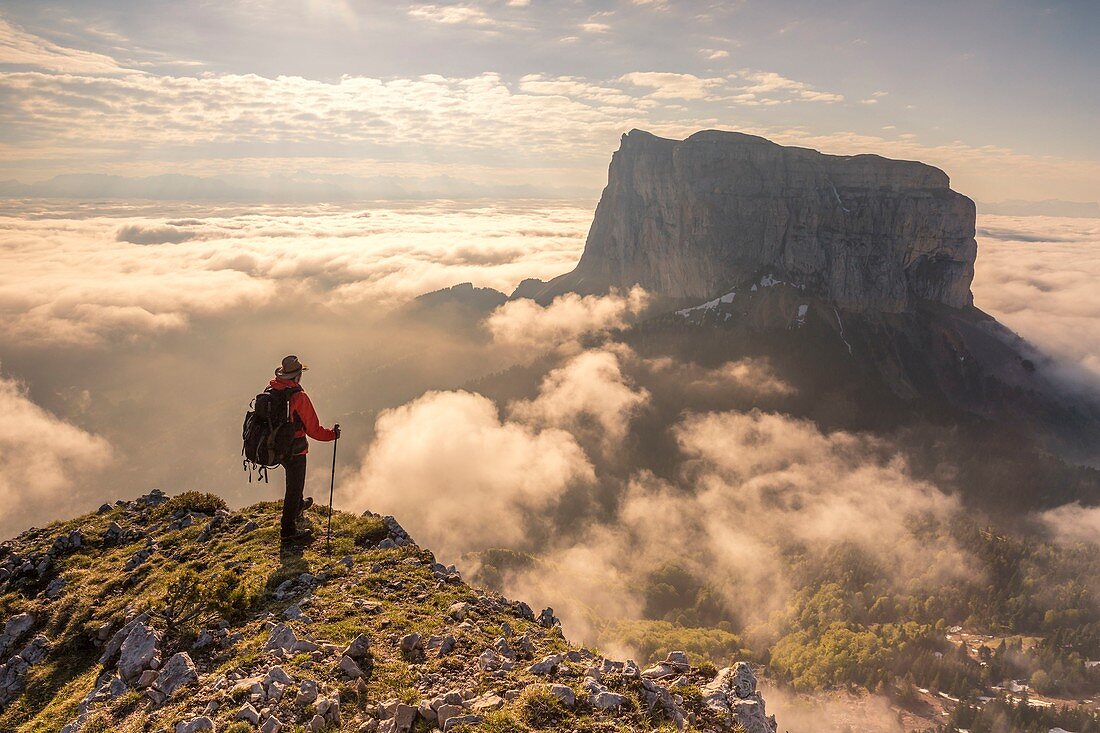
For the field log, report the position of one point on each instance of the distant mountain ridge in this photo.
(294, 187)
(1048, 207)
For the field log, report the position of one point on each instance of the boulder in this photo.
(248, 713)
(137, 651)
(460, 720)
(447, 711)
(547, 666)
(271, 725)
(282, 637)
(401, 719)
(358, 647)
(195, 725)
(307, 693)
(350, 668)
(114, 645)
(179, 671)
(565, 694)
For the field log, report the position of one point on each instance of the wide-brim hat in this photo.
(290, 368)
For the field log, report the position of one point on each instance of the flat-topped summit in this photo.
(692, 218)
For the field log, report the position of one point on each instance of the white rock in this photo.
(249, 713)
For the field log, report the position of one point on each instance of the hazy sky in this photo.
(1000, 93)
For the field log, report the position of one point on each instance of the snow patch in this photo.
(841, 325)
(727, 298)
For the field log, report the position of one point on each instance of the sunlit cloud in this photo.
(19, 48)
(45, 462)
(128, 272)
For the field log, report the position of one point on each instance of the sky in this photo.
(311, 100)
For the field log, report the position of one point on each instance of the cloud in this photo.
(776, 87)
(752, 487)
(714, 54)
(67, 113)
(1037, 275)
(594, 27)
(530, 328)
(1073, 523)
(667, 85)
(20, 48)
(462, 477)
(589, 396)
(75, 277)
(748, 376)
(453, 15)
(45, 462)
(137, 234)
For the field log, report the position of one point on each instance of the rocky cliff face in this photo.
(99, 631)
(694, 218)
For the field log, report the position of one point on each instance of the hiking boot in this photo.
(301, 537)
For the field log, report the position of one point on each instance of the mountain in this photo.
(175, 614)
(1048, 207)
(860, 266)
(693, 218)
(290, 187)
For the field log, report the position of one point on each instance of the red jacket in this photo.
(301, 407)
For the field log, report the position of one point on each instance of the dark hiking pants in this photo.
(295, 487)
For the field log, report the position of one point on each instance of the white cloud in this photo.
(772, 86)
(77, 278)
(530, 329)
(589, 396)
(453, 15)
(19, 48)
(595, 27)
(667, 85)
(46, 464)
(460, 477)
(1038, 275)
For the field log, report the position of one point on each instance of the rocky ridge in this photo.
(383, 639)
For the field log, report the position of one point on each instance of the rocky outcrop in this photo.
(327, 647)
(692, 219)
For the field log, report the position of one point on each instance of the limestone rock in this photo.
(196, 725)
(687, 218)
(137, 651)
(350, 668)
(248, 713)
(547, 666)
(358, 647)
(565, 694)
(460, 720)
(178, 672)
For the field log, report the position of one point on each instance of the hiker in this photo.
(288, 376)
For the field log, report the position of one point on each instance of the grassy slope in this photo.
(396, 585)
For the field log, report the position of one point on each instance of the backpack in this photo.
(268, 431)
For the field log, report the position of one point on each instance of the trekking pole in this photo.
(331, 487)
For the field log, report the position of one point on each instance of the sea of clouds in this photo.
(133, 335)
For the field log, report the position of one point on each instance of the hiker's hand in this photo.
(336, 429)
